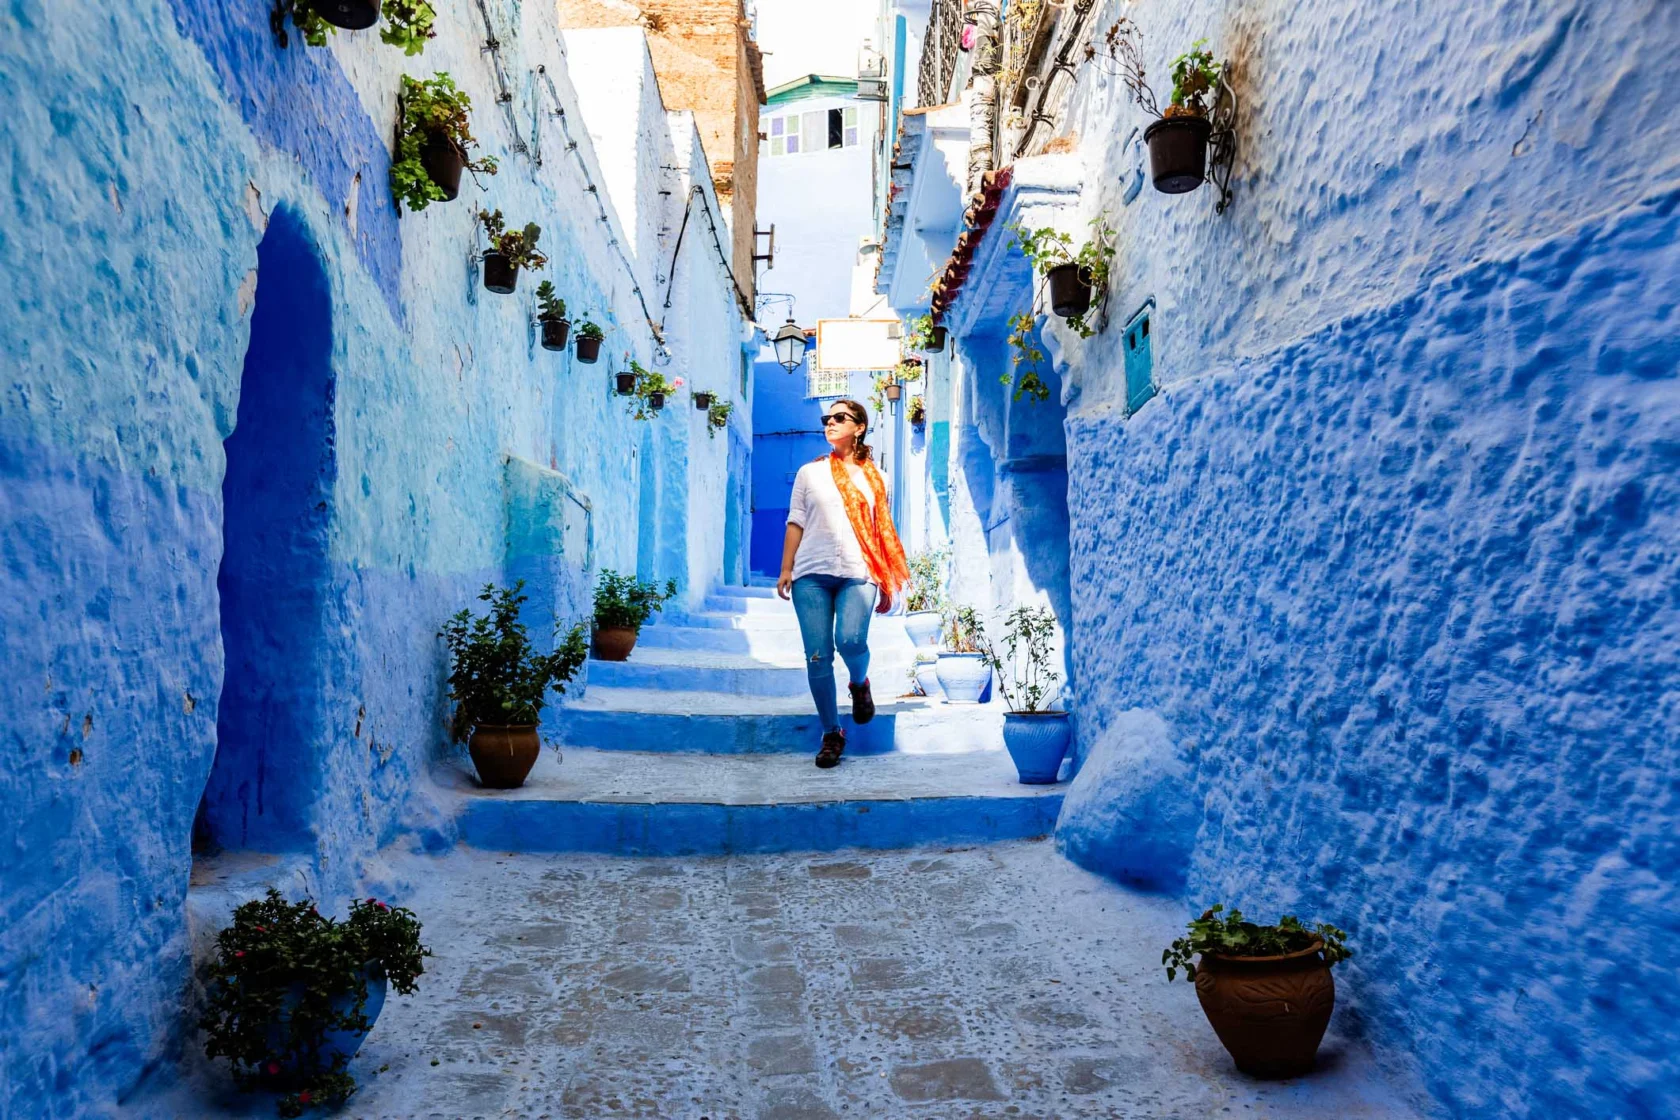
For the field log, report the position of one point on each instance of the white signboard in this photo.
(860, 344)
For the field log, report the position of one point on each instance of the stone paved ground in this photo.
(981, 982)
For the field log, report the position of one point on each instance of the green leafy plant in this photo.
(717, 417)
(917, 411)
(1048, 248)
(496, 675)
(1028, 381)
(926, 589)
(1195, 73)
(625, 602)
(649, 382)
(1231, 936)
(285, 977)
(920, 331)
(1024, 668)
(408, 24)
(963, 631)
(1195, 76)
(588, 329)
(908, 371)
(519, 246)
(431, 107)
(550, 307)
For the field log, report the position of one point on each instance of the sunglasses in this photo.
(836, 417)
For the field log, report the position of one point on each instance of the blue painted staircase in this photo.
(702, 744)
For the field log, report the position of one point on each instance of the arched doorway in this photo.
(276, 511)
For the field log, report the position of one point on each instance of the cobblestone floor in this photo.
(982, 982)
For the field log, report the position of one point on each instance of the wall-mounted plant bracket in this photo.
(475, 258)
(1222, 144)
(504, 95)
(1131, 160)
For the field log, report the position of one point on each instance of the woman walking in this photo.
(840, 558)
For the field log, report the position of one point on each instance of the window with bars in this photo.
(813, 131)
(826, 383)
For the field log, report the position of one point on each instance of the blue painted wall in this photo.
(1373, 604)
(254, 422)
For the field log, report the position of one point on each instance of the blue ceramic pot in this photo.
(333, 1043)
(1037, 743)
(963, 676)
(923, 628)
(928, 678)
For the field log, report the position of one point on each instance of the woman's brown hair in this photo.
(861, 451)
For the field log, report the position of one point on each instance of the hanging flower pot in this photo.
(656, 401)
(352, 15)
(894, 390)
(702, 401)
(626, 382)
(1070, 290)
(588, 349)
(443, 160)
(500, 274)
(936, 340)
(554, 333)
(1178, 148)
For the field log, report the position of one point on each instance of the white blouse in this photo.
(829, 546)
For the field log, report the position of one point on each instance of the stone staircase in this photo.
(702, 744)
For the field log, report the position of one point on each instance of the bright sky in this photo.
(813, 36)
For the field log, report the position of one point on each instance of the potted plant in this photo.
(889, 384)
(924, 598)
(625, 382)
(925, 334)
(1075, 277)
(1178, 138)
(434, 136)
(408, 23)
(1037, 736)
(292, 994)
(499, 683)
(510, 250)
(1026, 381)
(551, 313)
(702, 400)
(717, 417)
(589, 338)
(651, 389)
(926, 675)
(963, 668)
(917, 413)
(622, 605)
(1266, 990)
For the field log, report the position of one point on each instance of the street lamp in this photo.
(790, 345)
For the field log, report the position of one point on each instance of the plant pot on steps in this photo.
(297, 1074)
(928, 677)
(1269, 1012)
(588, 349)
(656, 401)
(963, 676)
(1178, 148)
(1037, 741)
(352, 15)
(444, 161)
(1070, 290)
(503, 753)
(923, 628)
(625, 383)
(614, 643)
(936, 340)
(500, 274)
(554, 333)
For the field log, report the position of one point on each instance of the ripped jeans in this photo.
(833, 615)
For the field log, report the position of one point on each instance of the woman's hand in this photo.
(784, 585)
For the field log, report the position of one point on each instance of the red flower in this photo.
(273, 1067)
(239, 952)
(304, 1097)
(262, 929)
(381, 905)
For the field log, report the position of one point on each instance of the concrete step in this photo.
(752, 607)
(758, 673)
(729, 620)
(652, 804)
(774, 641)
(671, 722)
(752, 591)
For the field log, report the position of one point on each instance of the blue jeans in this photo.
(833, 615)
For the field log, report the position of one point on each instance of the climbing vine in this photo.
(1025, 381)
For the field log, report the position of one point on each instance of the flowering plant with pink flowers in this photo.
(649, 384)
(286, 977)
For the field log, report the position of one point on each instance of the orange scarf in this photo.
(883, 554)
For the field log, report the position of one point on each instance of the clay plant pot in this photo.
(444, 161)
(894, 391)
(937, 341)
(656, 401)
(625, 383)
(503, 753)
(588, 349)
(1269, 1012)
(1070, 290)
(352, 15)
(1178, 149)
(554, 333)
(702, 401)
(614, 643)
(500, 274)
(923, 628)
(963, 676)
(1037, 741)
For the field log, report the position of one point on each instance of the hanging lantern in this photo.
(790, 345)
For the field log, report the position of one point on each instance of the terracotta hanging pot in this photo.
(554, 333)
(1269, 1012)
(444, 161)
(1178, 149)
(894, 391)
(614, 643)
(503, 753)
(500, 274)
(1070, 290)
(588, 349)
(624, 382)
(352, 15)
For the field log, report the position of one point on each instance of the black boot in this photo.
(863, 703)
(833, 744)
